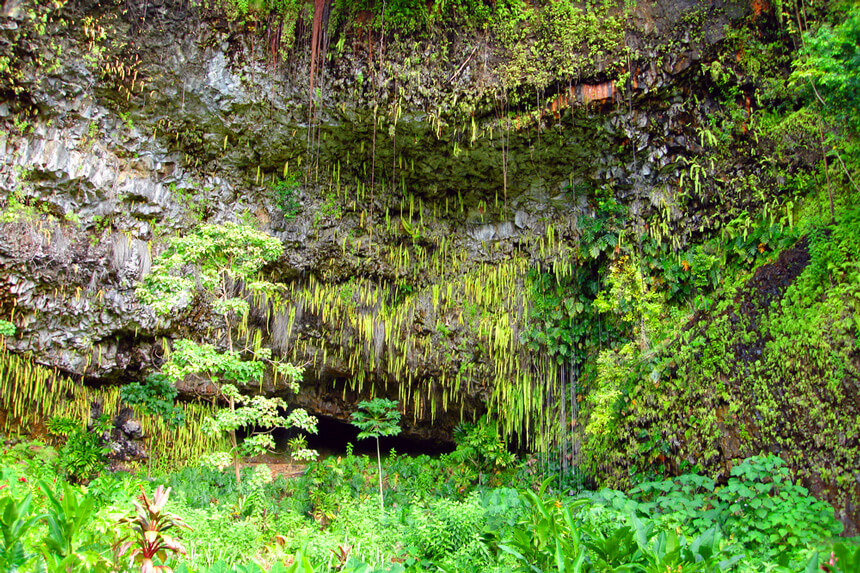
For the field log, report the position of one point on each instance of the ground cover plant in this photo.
(439, 515)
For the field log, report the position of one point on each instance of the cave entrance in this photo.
(333, 436)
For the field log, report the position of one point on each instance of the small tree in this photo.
(209, 263)
(379, 418)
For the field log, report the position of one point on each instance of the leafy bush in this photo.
(33, 458)
(7, 328)
(84, 454)
(503, 507)
(765, 510)
(482, 447)
(157, 395)
(547, 537)
(684, 522)
(760, 508)
(115, 488)
(238, 539)
(69, 544)
(667, 550)
(412, 478)
(443, 530)
(833, 65)
(16, 520)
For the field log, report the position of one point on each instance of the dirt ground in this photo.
(278, 465)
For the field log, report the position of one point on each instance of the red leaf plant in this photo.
(148, 540)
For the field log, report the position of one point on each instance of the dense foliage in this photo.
(437, 517)
(668, 351)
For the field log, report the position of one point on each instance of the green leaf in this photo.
(377, 418)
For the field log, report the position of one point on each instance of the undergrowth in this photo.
(328, 519)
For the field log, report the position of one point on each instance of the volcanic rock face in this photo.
(417, 170)
(123, 127)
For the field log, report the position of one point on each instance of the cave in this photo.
(333, 436)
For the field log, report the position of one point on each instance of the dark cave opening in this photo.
(333, 436)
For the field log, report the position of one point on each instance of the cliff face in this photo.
(417, 187)
(124, 125)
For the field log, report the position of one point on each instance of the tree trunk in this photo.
(235, 445)
(233, 441)
(379, 464)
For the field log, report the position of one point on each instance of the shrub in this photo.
(760, 508)
(285, 196)
(482, 447)
(444, 530)
(85, 451)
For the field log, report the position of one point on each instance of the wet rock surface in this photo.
(182, 118)
(118, 165)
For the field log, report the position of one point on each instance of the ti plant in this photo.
(149, 541)
(378, 418)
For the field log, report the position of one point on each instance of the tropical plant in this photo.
(547, 537)
(84, 453)
(299, 450)
(149, 541)
(261, 416)
(377, 418)
(482, 447)
(298, 563)
(612, 550)
(764, 508)
(843, 558)
(7, 328)
(157, 397)
(832, 68)
(68, 544)
(660, 551)
(16, 521)
(357, 566)
(222, 255)
(443, 531)
(284, 195)
(759, 508)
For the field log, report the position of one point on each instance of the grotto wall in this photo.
(422, 179)
(122, 127)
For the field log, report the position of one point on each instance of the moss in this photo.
(772, 371)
